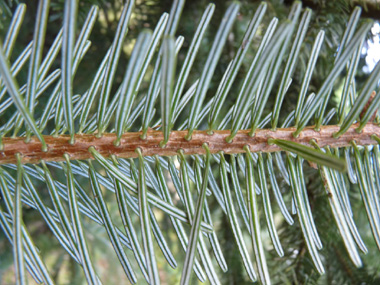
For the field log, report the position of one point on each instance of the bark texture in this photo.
(57, 146)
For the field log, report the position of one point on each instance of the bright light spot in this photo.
(372, 49)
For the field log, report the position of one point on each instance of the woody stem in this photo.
(57, 146)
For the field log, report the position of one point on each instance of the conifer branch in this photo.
(32, 152)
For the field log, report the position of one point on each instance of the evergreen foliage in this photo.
(275, 173)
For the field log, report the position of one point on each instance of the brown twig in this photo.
(373, 94)
(57, 146)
